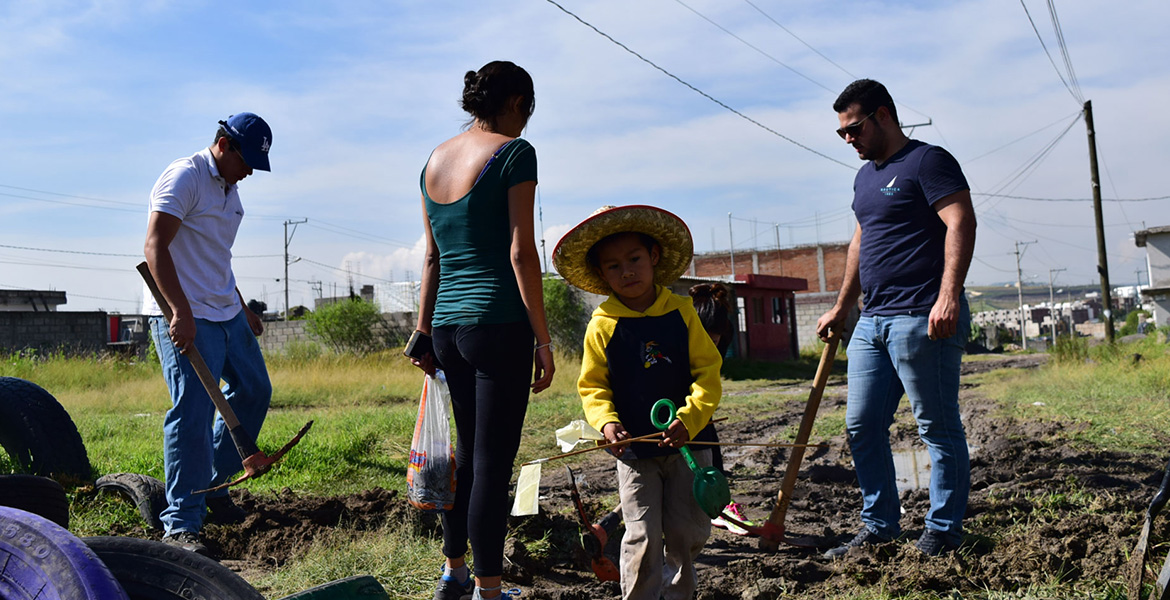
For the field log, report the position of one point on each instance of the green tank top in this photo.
(476, 282)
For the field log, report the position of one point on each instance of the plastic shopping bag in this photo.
(430, 476)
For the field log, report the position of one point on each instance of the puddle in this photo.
(912, 468)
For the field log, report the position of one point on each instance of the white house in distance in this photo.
(1156, 241)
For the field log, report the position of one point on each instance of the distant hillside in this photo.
(1004, 297)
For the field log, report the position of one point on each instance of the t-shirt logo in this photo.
(890, 190)
(651, 355)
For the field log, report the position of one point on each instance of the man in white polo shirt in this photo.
(195, 211)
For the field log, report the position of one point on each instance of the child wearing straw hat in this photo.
(645, 343)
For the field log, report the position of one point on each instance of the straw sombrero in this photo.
(671, 233)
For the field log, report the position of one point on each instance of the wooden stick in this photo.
(657, 434)
(760, 445)
(828, 353)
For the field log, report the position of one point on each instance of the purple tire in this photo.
(42, 560)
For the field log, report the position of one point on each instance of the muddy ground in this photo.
(1085, 508)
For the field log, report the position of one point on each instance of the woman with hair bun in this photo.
(483, 306)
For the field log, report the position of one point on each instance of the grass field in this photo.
(364, 410)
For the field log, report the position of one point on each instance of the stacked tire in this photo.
(41, 560)
(38, 434)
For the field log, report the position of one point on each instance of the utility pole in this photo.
(1020, 292)
(731, 246)
(1102, 260)
(287, 240)
(1052, 302)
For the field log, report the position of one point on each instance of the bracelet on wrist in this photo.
(548, 345)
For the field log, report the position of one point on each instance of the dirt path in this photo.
(1083, 506)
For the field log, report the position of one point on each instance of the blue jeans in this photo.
(889, 356)
(196, 454)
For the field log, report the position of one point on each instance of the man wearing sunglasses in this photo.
(909, 256)
(195, 211)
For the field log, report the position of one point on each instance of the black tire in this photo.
(40, 559)
(37, 495)
(148, 494)
(358, 587)
(38, 434)
(150, 570)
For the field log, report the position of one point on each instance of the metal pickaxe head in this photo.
(258, 463)
(603, 567)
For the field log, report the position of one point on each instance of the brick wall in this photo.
(823, 266)
(73, 332)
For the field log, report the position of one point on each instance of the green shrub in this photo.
(347, 326)
(1070, 349)
(567, 316)
(1132, 320)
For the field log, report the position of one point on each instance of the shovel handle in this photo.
(780, 510)
(245, 444)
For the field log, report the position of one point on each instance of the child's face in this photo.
(628, 267)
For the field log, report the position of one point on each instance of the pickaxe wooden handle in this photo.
(255, 462)
(775, 524)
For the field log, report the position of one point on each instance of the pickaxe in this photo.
(1137, 560)
(603, 567)
(772, 532)
(255, 462)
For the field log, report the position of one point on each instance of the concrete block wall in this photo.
(278, 334)
(809, 308)
(73, 332)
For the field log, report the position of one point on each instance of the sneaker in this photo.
(504, 595)
(934, 543)
(224, 511)
(450, 588)
(734, 511)
(863, 538)
(187, 540)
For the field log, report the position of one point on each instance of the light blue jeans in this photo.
(889, 356)
(198, 451)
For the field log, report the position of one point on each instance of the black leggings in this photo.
(489, 369)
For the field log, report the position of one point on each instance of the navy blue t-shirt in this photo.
(902, 236)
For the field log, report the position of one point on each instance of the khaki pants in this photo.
(665, 528)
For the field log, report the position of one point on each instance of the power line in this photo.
(786, 30)
(354, 233)
(1021, 138)
(1022, 173)
(1071, 199)
(697, 90)
(749, 45)
(1072, 73)
(111, 253)
(346, 271)
(134, 210)
(13, 187)
(1046, 52)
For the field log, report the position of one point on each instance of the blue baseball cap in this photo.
(254, 137)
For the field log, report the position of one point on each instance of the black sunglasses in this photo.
(854, 128)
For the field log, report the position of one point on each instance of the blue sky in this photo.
(97, 97)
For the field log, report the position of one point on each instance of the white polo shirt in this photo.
(192, 190)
